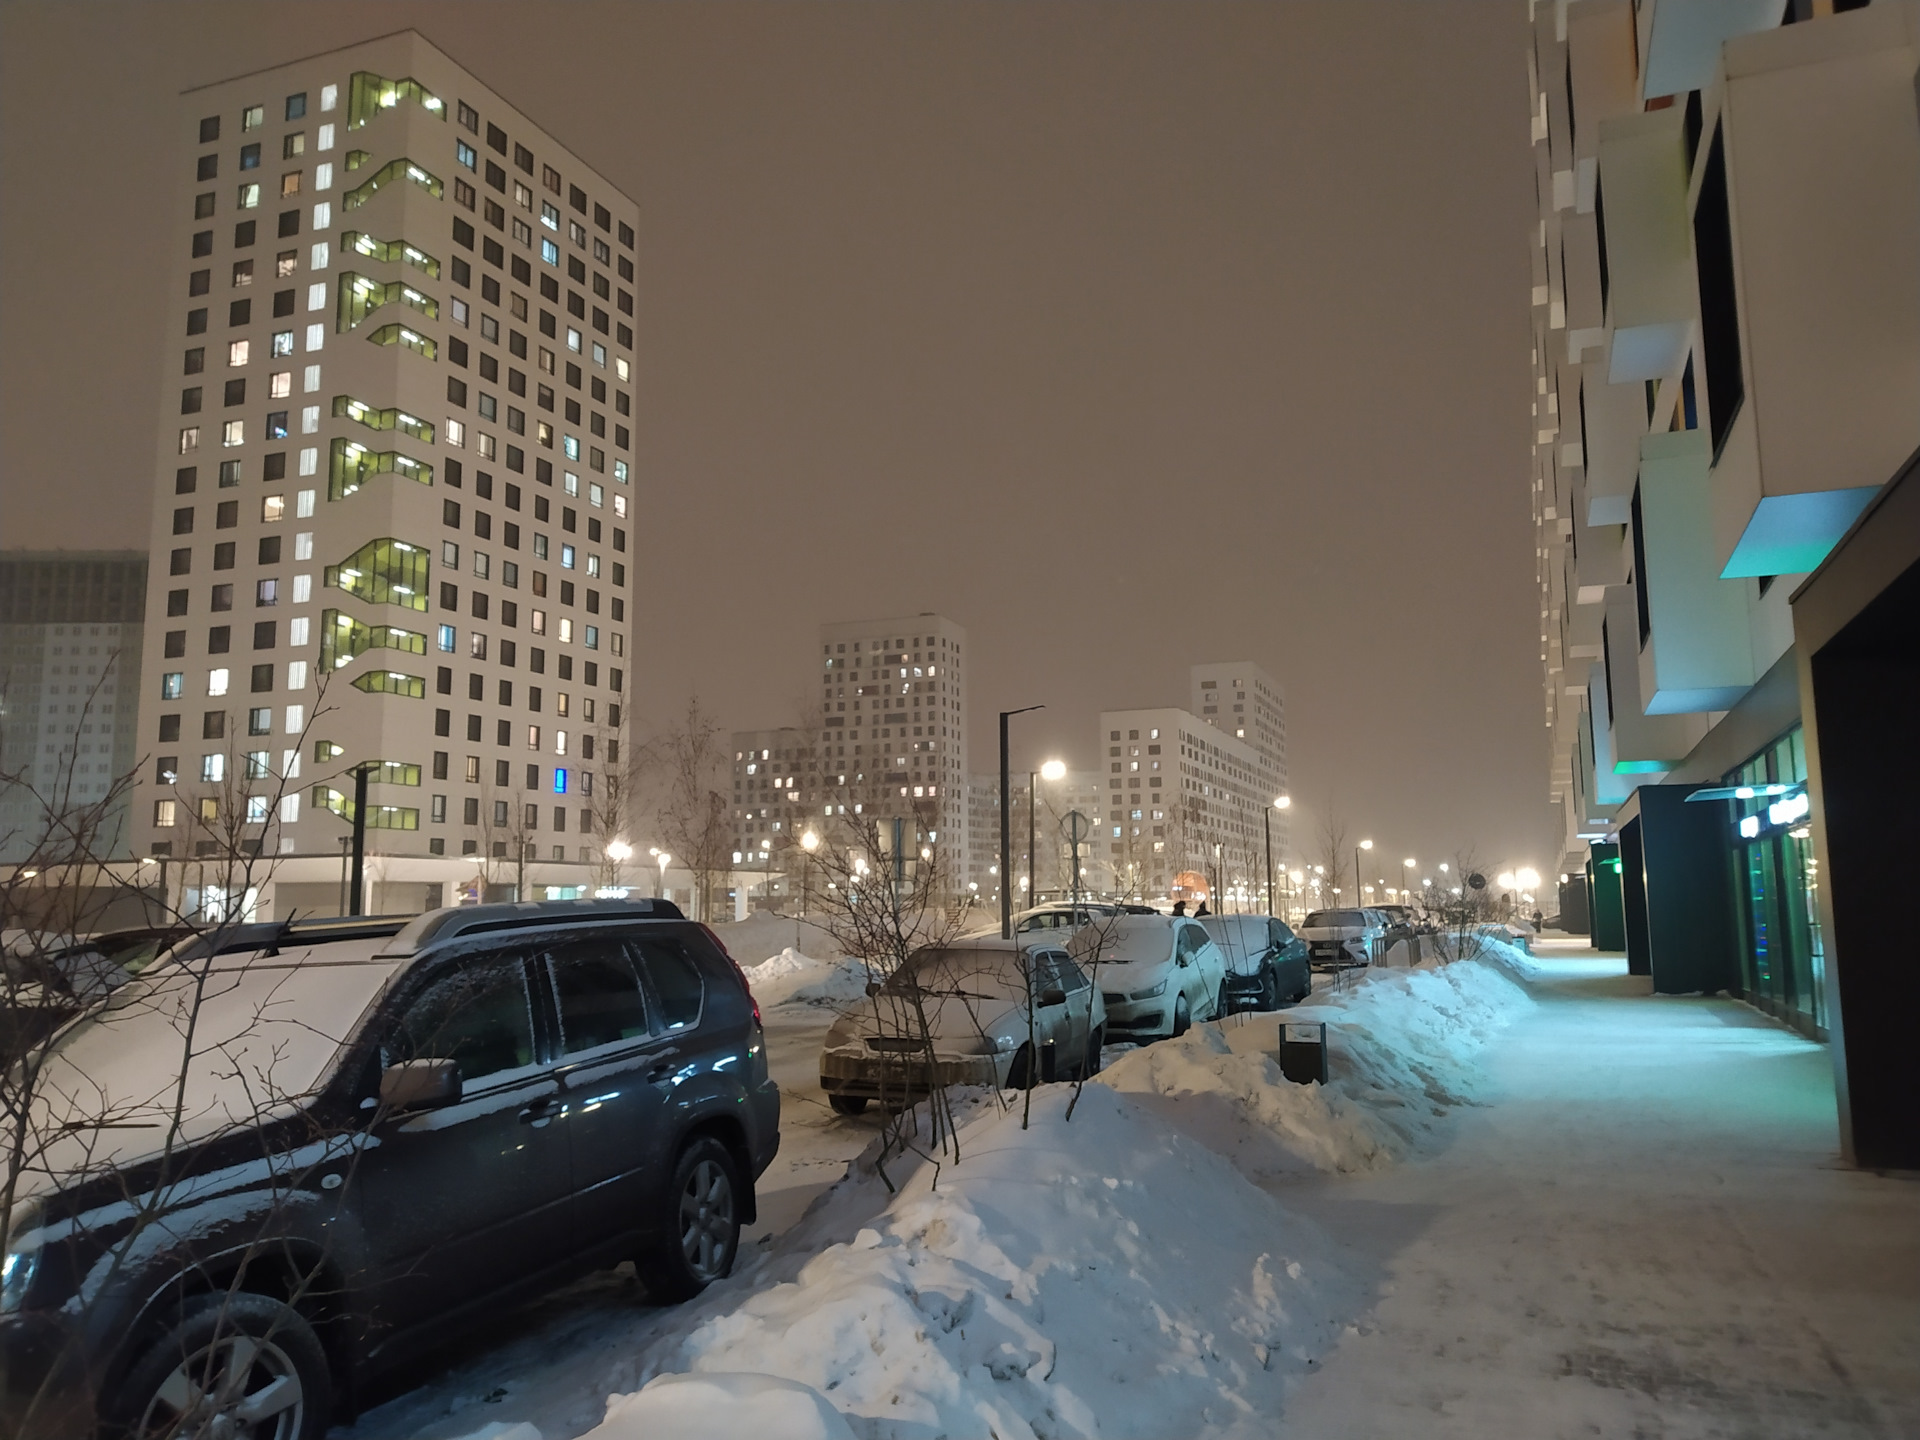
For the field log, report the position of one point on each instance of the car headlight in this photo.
(1152, 992)
(16, 1274)
(1004, 1043)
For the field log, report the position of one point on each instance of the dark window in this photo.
(494, 252)
(209, 129)
(477, 1016)
(489, 367)
(175, 643)
(269, 550)
(236, 390)
(496, 177)
(260, 679)
(456, 392)
(439, 764)
(289, 222)
(203, 209)
(223, 555)
(469, 118)
(226, 514)
(176, 602)
(183, 520)
(457, 352)
(190, 401)
(577, 198)
(213, 725)
(452, 475)
(1640, 571)
(576, 269)
(443, 685)
(449, 596)
(450, 513)
(603, 217)
(463, 272)
(219, 639)
(169, 727)
(549, 288)
(496, 138)
(1719, 306)
(194, 360)
(522, 270)
(282, 303)
(677, 985)
(240, 312)
(265, 634)
(197, 321)
(274, 467)
(442, 722)
(463, 234)
(476, 687)
(624, 335)
(243, 235)
(296, 105)
(180, 562)
(523, 158)
(479, 604)
(482, 524)
(502, 732)
(221, 597)
(199, 282)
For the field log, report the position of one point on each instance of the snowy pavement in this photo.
(1648, 1235)
(1588, 1213)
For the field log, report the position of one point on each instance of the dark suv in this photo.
(379, 1137)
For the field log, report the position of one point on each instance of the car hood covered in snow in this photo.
(262, 1035)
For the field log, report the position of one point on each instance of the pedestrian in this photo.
(1202, 911)
(1179, 907)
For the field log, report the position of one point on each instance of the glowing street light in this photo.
(1054, 770)
(663, 857)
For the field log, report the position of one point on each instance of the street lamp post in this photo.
(1049, 770)
(1359, 882)
(809, 843)
(663, 857)
(1006, 824)
(1280, 803)
(619, 852)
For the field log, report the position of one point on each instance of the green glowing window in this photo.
(342, 639)
(325, 750)
(351, 464)
(361, 295)
(379, 817)
(390, 173)
(384, 572)
(357, 158)
(407, 339)
(368, 94)
(397, 252)
(347, 408)
(391, 682)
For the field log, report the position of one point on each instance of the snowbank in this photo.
(1059, 1282)
(1401, 1045)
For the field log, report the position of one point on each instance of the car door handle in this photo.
(658, 1071)
(539, 1113)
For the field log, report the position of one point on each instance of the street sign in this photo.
(1476, 881)
(1077, 826)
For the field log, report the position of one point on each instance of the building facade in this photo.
(1183, 807)
(1244, 700)
(70, 636)
(1726, 353)
(393, 480)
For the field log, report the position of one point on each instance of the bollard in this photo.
(1303, 1052)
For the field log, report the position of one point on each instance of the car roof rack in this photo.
(444, 924)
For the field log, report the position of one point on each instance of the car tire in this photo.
(848, 1104)
(284, 1392)
(1222, 1002)
(1269, 989)
(1096, 1044)
(1182, 1018)
(698, 1225)
(1020, 1069)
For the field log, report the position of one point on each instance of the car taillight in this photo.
(737, 971)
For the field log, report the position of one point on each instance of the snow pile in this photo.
(1058, 1283)
(791, 975)
(1401, 1045)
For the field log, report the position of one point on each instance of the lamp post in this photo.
(1406, 891)
(1282, 802)
(619, 852)
(1049, 770)
(1358, 882)
(809, 843)
(1006, 831)
(663, 857)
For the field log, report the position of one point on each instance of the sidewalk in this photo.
(1647, 1235)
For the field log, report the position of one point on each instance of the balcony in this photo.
(1651, 301)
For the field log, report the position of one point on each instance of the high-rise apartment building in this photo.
(1244, 700)
(1726, 365)
(1183, 813)
(893, 736)
(776, 789)
(394, 475)
(70, 633)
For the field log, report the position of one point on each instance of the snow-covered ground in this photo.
(1597, 1214)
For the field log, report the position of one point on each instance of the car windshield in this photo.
(978, 974)
(1336, 919)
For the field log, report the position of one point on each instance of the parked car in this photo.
(985, 1027)
(1266, 962)
(1157, 973)
(379, 1138)
(1398, 923)
(1337, 939)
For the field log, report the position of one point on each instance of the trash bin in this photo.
(1303, 1053)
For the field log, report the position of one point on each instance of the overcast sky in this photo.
(1127, 335)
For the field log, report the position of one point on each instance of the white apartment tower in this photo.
(1184, 803)
(1248, 703)
(393, 478)
(893, 726)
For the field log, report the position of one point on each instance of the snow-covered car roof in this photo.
(1242, 938)
(1128, 939)
(259, 1035)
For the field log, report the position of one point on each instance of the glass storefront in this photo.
(1776, 887)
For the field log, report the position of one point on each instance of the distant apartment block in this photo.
(70, 635)
(1248, 703)
(1183, 806)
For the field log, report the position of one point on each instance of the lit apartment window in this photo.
(238, 352)
(249, 196)
(189, 439)
(280, 384)
(217, 682)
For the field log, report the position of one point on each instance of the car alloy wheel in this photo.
(1182, 1016)
(848, 1104)
(1096, 1043)
(235, 1367)
(706, 1221)
(699, 1232)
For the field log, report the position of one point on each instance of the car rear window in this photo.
(677, 982)
(1335, 919)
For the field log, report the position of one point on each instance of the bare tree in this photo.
(1333, 856)
(685, 767)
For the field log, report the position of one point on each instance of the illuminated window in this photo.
(280, 384)
(238, 352)
(272, 509)
(217, 682)
(234, 432)
(250, 196)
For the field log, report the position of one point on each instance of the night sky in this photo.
(1126, 335)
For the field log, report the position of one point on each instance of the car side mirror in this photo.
(420, 1085)
(1055, 996)
(873, 988)
(1182, 959)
